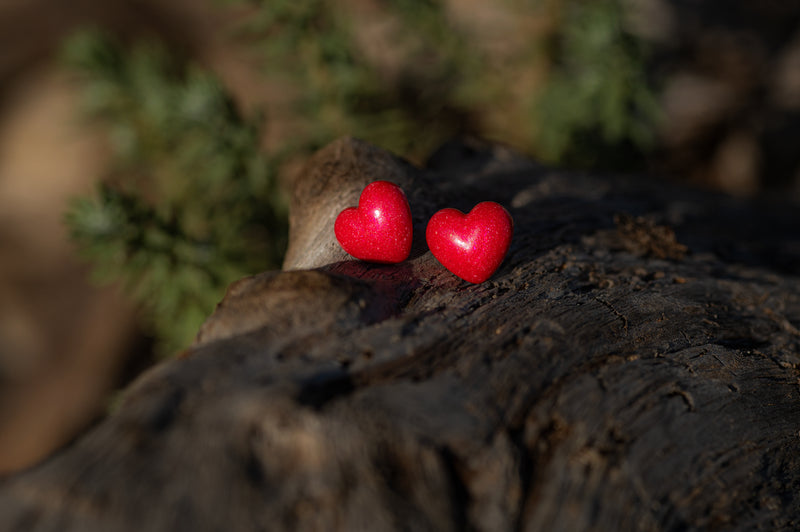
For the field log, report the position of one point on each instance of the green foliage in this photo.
(595, 103)
(314, 45)
(192, 204)
(598, 97)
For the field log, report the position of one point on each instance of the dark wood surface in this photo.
(632, 365)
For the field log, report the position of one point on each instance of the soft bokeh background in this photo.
(723, 77)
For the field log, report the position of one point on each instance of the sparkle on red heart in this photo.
(472, 246)
(379, 229)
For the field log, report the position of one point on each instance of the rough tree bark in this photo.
(633, 365)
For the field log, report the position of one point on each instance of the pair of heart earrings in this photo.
(472, 246)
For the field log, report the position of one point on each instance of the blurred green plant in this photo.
(592, 106)
(191, 203)
(408, 107)
(597, 107)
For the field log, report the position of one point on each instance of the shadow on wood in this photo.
(633, 365)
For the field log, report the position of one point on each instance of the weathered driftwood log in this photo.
(610, 376)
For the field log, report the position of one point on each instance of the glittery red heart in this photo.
(379, 229)
(472, 246)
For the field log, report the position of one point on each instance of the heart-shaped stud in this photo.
(472, 246)
(379, 229)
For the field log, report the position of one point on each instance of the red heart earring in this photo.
(472, 246)
(379, 229)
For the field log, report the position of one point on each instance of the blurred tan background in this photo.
(65, 343)
(732, 122)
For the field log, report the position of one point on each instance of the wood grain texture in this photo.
(632, 365)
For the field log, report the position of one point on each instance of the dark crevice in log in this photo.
(324, 387)
(525, 471)
(460, 494)
(166, 412)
